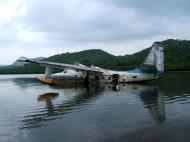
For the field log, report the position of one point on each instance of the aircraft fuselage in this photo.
(72, 76)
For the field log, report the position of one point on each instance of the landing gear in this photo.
(115, 78)
(115, 82)
(86, 80)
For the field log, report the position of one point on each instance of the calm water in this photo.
(33, 112)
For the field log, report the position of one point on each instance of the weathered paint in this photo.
(51, 81)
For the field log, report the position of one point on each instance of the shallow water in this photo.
(34, 112)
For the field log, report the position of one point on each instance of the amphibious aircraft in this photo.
(151, 69)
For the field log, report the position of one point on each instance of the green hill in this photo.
(87, 57)
(177, 57)
(177, 54)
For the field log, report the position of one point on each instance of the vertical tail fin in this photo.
(155, 57)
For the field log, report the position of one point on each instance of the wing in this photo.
(75, 66)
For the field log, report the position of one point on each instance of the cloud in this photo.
(104, 21)
(88, 22)
(8, 10)
(117, 26)
(154, 8)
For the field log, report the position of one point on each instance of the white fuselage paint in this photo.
(125, 77)
(136, 77)
(68, 74)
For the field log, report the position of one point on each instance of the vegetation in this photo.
(177, 57)
(26, 69)
(177, 54)
(87, 57)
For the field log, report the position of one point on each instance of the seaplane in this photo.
(151, 69)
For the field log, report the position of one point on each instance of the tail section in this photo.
(155, 58)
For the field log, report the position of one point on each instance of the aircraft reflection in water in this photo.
(84, 96)
(48, 97)
(155, 103)
(149, 95)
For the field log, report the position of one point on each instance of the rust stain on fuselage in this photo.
(52, 81)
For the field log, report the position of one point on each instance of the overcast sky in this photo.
(34, 28)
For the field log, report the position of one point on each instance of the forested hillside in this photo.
(177, 57)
